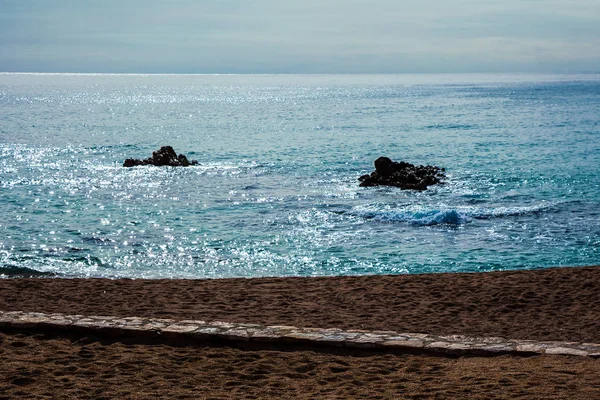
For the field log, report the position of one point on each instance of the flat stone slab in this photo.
(227, 331)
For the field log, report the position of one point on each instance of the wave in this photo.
(499, 212)
(414, 215)
(443, 215)
(452, 126)
(14, 271)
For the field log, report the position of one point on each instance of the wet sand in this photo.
(554, 304)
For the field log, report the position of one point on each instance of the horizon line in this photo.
(295, 73)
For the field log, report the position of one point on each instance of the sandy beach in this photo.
(554, 304)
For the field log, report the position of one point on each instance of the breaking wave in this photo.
(442, 215)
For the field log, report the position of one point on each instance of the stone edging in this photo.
(234, 332)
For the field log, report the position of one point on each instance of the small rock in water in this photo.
(164, 156)
(403, 175)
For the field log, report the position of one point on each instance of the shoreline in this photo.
(28, 273)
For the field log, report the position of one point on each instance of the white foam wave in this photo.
(413, 215)
(431, 215)
(499, 212)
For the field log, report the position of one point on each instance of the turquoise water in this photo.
(276, 191)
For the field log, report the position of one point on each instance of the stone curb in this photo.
(388, 341)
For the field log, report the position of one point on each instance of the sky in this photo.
(300, 36)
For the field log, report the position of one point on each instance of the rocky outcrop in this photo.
(164, 156)
(403, 175)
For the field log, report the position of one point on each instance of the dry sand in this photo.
(553, 304)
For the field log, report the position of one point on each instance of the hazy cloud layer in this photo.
(246, 36)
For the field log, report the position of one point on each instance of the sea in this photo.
(276, 193)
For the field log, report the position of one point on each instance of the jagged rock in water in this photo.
(164, 156)
(403, 175)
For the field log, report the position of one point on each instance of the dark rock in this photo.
(130, 162)
(403, 175)
(384, 166)
(164, 156)
(183, 161)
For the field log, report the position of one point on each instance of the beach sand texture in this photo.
(554, 304)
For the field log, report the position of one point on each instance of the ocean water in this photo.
(276, 191)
